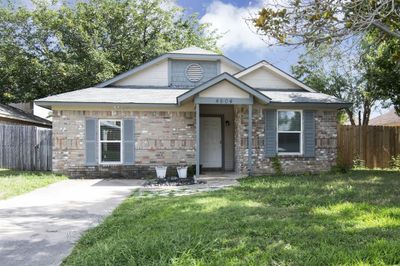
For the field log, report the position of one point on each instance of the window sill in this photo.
(290, 155)
(110, 164)
(280, 156)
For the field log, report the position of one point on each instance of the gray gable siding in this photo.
(178, 77)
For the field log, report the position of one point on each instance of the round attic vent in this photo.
(194, 72)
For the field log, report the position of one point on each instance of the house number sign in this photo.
(224, 100)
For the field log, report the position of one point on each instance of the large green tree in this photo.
(383, 61)
(333, 71)
(53, 49)
(372, 26)
(299, 22)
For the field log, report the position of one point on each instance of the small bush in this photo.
(395, 162)
(191, 172)
(358, 163)
(276, 164)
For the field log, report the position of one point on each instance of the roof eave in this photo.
(46, 104)
(329, 105)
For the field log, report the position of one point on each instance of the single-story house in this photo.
(390, 118)
(193, 107)
(10, 115)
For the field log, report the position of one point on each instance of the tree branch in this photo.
(386, 29)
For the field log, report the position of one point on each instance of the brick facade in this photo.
(169, 137)
(161, 138)
(325, 146)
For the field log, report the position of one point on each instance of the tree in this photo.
(298, 22)
(383, 61)
(372, 26)
(329, 70)
(51, 50)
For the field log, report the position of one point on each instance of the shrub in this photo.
(191, 172)
(276, 164)
(395, 162)
(358, 163)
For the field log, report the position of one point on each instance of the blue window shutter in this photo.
(270, 133)
(91, 147)
(129, 141)
(309, 133)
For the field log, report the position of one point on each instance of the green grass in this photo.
(346, 219)
(14, 183)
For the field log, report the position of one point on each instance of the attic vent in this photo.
(194, 72)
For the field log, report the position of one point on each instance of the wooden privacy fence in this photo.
(25, 147)
(374, 145)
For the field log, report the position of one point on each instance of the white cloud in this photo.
(230, 21)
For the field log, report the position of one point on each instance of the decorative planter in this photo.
(161, 171)
(182, 171)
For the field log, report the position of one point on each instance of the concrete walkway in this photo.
(41, 227)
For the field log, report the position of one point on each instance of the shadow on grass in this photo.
(310, 220)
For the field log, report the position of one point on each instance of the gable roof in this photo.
(198, 54)
(13, 113)
(227, 77)
(275, 70)
(390, 118)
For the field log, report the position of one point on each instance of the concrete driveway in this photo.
(41, 227)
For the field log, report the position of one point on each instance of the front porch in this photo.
(218, 133)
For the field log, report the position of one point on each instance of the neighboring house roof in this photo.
(219, 78)
(179, 54)
(387, 119)
(275, 70)
(16, 114)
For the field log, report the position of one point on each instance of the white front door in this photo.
(211, 142)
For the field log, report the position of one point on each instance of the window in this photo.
(289, 132)
(110, 141)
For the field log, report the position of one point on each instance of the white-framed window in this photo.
(289, 132)
(110, 141)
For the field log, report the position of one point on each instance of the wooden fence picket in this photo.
(25, 147)
(375, 145)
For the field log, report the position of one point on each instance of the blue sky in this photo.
(239, 42)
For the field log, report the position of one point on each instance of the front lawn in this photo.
(14, 183)
(348, 219)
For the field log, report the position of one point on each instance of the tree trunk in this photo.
(367, 111)
(351, 117)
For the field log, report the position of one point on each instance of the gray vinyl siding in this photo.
(270, 133)
(309, 133)
(178, 77)
(91, 147)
